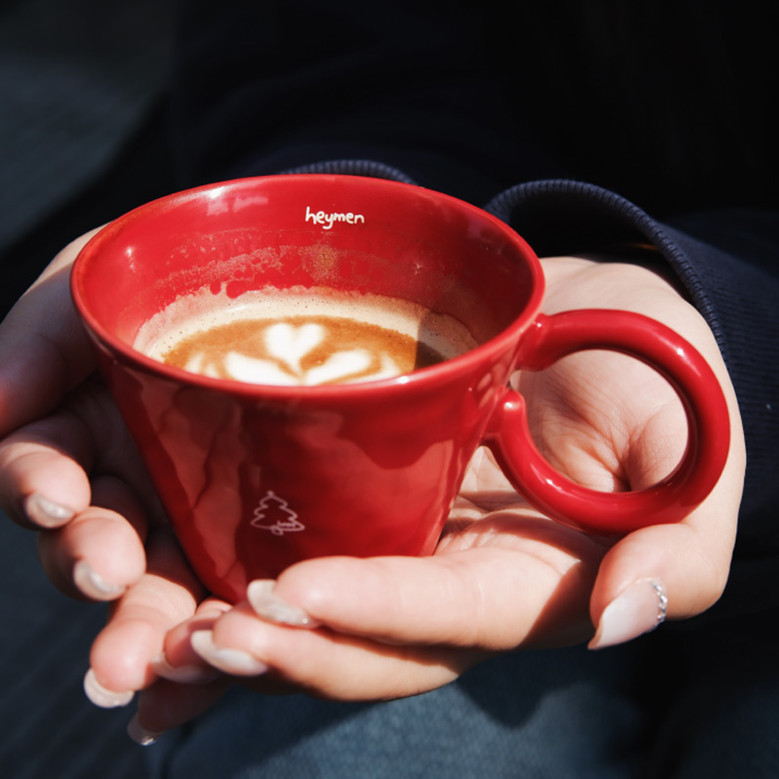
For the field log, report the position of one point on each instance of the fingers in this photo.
(668, 571)
(123, 654)
(43, 347)
(146, 646)
(325, 663)
(671, 571)
(43, 471)
(91, 539)
(387, 627)
(663, 572)
(92, 544)
(186, 685)
(99, 553)
(488, 597)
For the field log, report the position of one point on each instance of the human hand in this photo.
(503, 576)
(65, 451)
(69, 471)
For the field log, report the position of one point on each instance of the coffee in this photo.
(300, 351)
(302, 339)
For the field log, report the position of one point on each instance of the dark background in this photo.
(81, 85)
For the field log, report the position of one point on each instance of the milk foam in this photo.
(287, 344)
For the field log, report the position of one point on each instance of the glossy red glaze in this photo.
(255, 478)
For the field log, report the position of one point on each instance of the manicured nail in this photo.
(183, 674)
(269, 606)
(639, 609)
(100, 696)
(93, 584)
(139, 734)
(231, 661)
(45, 512)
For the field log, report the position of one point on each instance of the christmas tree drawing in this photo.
(274, 514)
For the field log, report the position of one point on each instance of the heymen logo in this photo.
(326, 221)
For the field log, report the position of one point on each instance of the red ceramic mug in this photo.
(257, 477)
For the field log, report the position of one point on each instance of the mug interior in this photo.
(347, 233)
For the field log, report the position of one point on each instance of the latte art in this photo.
(296, 340)
(301, 352)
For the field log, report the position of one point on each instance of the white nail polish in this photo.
(45, 512)
(269, 606)
(231, 661)
(139, 734)
(92, 584)
(102, 697)
(183, 674)
(638, 610)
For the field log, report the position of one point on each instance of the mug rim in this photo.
(462, 363)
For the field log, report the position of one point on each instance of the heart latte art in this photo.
(299, 351)
(305, 340)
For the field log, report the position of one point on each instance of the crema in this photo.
(310, 338)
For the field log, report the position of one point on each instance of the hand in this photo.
(65, 446)
(69, 470)
(502, 577)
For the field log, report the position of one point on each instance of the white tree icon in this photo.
(274, 514)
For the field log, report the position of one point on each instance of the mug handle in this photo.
(552, 337)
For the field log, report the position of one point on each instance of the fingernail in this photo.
(638, 610)
(100, 696)
(139, 734)
(183, 674)
(231, 661)
(45, 512)
(269, 606)
(93, 584)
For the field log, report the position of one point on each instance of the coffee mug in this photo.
(257, 476)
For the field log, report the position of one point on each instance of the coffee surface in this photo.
(307, 340)
(300, 351)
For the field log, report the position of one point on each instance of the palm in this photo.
(581, 422)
